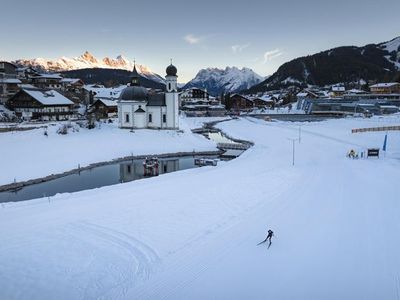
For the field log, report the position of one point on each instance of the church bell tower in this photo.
(172, 97)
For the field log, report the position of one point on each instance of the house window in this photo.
(164, 118)
(150, 118)
(126, 118)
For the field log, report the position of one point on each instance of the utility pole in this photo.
(293, 149)
(299, 134)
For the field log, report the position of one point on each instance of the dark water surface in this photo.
(120, 172)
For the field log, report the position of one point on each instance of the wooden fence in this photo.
(383, 128)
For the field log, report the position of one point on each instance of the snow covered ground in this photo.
(30, 154)
(193, 234)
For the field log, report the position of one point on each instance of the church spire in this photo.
(135, 77)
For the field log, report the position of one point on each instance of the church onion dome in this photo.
(134, 93)
(171, 70)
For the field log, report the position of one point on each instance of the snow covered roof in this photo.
(105, 93)
(70, 80)
(26, 86)
(109, 103)
(338, 88)
(265, 98)
(48, 97)
(10, 80)
(388, 84)
(245, 97)
(302, 94)
(389, 106)
(50, 76)
(355, 91)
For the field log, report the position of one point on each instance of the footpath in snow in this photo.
(193, 234)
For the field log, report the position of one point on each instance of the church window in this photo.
(127, 118)
(150, 118)
(169, 86)
(164, 118)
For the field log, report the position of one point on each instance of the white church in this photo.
(137, 108)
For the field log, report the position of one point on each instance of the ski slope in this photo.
(193, 234)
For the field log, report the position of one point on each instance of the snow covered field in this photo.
(193, 234)
(30, 154)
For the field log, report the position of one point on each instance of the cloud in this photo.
(192, 40)
(239, 48)
(270, 55)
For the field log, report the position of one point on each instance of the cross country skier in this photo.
(269, 237)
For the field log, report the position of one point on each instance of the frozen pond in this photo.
(120, 172)
(110, 174)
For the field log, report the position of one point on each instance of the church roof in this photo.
(156, 100)
(134, 93)
(171, 70)
(135, 72)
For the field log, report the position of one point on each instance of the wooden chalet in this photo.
(39, 104)
(104, 108)
(264, 101)
(47, 81)
(238, 102)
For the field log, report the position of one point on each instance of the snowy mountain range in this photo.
(88, 61)
(373, 62)
(92, 69)
(228, 80)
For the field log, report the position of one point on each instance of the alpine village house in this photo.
(41, 104)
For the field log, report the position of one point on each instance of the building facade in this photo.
(386, 88)
(196, 102)
(8, 81)
(39, 104)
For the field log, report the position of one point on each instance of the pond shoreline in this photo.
(18, 185)
(207, 127)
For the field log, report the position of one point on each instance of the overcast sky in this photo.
(259, 34)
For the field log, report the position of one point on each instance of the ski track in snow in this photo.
(144, 258)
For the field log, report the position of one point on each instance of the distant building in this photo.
(265, 101)
(198, 103)
(95, 92)
(355, 103)
(72, 85)
(104, 108)
(72, 88)
(386, 88)
(307, 94)
(238, 102)
(47, 81)
(337, 91)
(26, 73)
(8, 81)
(39, 104)
(137, 108)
